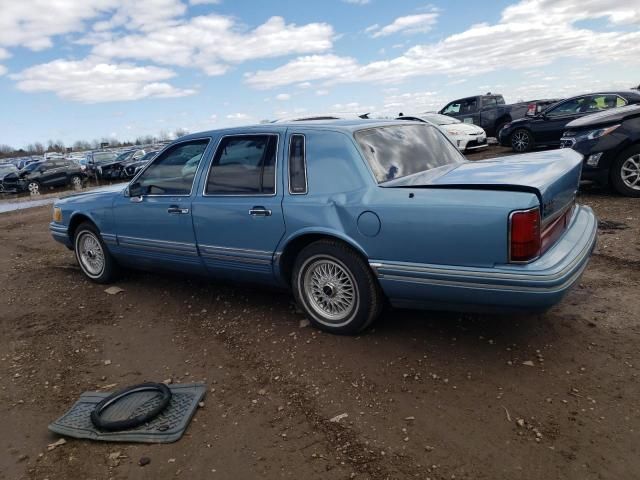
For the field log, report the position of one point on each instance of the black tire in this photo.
(521, 140)
(109, 269)
(615, 172)
(360, 282)
(499, 127)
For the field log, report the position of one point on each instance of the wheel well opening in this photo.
(76, 220)
(293, 248)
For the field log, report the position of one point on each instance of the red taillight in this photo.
(554, 230)
(524, 235)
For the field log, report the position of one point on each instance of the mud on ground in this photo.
(427, 394)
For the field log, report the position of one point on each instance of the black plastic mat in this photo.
(165, 428)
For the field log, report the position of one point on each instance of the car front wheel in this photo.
(625, 172)
(521, 141)
(93, 257)
(336, 288)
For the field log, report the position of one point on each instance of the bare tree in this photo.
(180, 132)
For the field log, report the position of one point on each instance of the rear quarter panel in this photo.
(416, 225)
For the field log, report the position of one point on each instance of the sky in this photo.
(86, 69)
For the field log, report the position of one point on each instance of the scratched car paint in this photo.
(346, 214)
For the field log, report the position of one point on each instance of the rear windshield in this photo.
(400, 150)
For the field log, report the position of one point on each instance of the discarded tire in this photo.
(126, 424)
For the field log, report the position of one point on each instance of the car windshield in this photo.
(400, 150)
(123, 156)
(103, 157)
(439, 119)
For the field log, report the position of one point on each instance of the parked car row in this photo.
(545, 129)
(603, 126)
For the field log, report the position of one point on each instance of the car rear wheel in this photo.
(92, 255)
(76, 182)
(521, 141)
(33, 187)
(625, 172)
(336, 288)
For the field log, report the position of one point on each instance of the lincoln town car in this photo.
(348, 215)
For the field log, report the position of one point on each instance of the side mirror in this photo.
(135, 190)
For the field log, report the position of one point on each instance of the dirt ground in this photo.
(427, 394)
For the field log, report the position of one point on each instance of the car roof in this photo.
(347, 126)
(612, 115)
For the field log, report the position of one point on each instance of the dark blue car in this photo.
(346, 214)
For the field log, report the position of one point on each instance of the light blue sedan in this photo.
(346, 214)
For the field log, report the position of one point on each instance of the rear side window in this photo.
(401, 150)
(297, 165)
(244, 165)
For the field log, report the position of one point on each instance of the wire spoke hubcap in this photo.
(90, 254)
(630, 172)
(330, 290)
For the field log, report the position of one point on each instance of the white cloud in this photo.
(419, 23)
(530, 34)
(3, 70)
(322, 92)
(142, 15)
(204, 2)
(283, 96)
(34, 23)
(239, 116)
(92, 81)
(214, 42)
(357, 2)
(312, 67)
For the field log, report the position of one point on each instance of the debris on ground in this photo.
(114, 290)
(337, 418)
(54, 445)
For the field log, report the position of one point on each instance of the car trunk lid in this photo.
(553, 176)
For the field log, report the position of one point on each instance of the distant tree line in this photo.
(38, 148)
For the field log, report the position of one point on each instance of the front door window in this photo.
(172, 173)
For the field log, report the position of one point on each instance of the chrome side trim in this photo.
(485, 286)
(58, 228)
(159, 245)
(241, 255)
(109, 238)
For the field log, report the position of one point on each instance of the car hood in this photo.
(552, 175)
(102, 192)
(466, 128)
(606, 117)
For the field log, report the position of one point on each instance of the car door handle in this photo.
(260, 212)
(174, 209)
